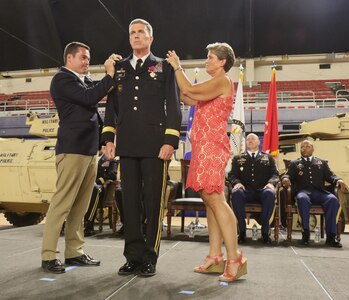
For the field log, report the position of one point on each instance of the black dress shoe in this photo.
(54, 266)
(332, 241)
(266, 238)
(120, 231)
(89, 232)
(242, 237)
(130, 267)
(83, 260)
(148, 269)
(305, 237)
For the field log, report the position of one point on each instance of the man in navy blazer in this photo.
(76, 98)
(147, 126)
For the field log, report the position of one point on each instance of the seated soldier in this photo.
(106, 171)
(308, 175)
(254, 177)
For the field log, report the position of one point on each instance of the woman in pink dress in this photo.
(213, 100)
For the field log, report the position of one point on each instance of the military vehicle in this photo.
(27, 172)
(330, 137)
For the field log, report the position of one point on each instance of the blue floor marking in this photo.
(186, 292)
(47, 279)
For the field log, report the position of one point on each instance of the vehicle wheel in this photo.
(24, 219)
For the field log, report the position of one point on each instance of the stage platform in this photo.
(274, 272)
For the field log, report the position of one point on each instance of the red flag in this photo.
(271, 128)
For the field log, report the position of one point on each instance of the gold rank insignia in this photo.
(120, 88)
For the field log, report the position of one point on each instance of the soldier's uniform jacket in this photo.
(144, 109)
(255, 173)
(307, 176)
(106, 170)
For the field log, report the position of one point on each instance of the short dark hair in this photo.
(223, 51)
(73, 48)
(148, 27)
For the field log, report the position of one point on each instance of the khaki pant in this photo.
(75, 178)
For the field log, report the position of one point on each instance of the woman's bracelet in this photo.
(178, 69)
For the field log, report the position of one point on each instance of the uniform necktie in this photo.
(253, 155)
(308, 159)
(138, 65)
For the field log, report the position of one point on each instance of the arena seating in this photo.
(298, 94)
(318, 87)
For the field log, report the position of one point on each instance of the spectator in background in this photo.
(254, 177)
(308, 175)
(107, 170)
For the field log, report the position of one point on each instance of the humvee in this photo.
(27, 172)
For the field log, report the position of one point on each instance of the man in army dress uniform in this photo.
(309, 173)
(148, 118)
(254, 177)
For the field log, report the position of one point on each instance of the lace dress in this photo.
(210, 145)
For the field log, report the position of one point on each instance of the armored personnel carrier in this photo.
(330, 137)
(27, 172)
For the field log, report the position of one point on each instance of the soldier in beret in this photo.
(308, 175)
(254, 177)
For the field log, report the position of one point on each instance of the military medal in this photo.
(152, 74)
(241, 169)
(300, 173)
(120, 88)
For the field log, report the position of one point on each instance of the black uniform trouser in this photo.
(145, 177)
(90, 215)
(267, 199)
(118, 202)
(329, 203)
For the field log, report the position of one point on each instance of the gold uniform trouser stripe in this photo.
(108, 129)
(161, 214)
(272, 215)
(339, 213)
(94, 208)
(299, 216)
(172, 132)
